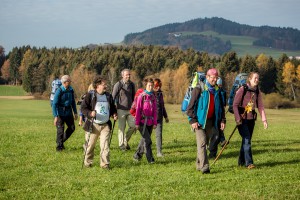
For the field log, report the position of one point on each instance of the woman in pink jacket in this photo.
(247, 98)
(146, 120)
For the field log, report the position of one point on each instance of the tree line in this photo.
(35, 68)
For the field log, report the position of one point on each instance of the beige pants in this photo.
(103, 133)
(123, 117)
(202, 138)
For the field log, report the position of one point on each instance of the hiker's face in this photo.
(101, 88)
(212, 80)
(149, 87)
(126, 76)
(254, 80)
(67, 83)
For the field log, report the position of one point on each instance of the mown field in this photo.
(32, 169)
(242, 45)
(11, 90)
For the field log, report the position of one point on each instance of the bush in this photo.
(276, 101)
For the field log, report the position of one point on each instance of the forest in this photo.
(35, 68)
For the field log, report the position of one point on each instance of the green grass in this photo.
(242, 45)
(32, 169)
(9, 90)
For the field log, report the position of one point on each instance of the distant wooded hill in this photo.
(212, 35)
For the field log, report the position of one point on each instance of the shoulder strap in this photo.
(244, 93)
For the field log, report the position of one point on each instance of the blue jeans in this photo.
(246, 131)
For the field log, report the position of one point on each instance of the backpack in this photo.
(133, 106)
(54, 86)
(240, 81)
(198, 80)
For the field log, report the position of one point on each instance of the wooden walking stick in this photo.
(224, 146)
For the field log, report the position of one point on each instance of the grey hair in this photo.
(124, 70)
(65, 78)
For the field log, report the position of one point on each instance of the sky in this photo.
(76, 23)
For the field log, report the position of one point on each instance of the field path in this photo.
(16, 97)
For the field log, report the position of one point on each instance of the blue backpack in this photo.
(198, 80)
(239, 81)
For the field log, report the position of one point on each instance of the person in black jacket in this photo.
(98, 107)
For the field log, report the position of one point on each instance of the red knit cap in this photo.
(212, 72)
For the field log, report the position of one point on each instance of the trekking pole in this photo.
(112, 131)
(87, 142)
(224, 146)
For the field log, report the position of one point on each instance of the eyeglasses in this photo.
(213, 77)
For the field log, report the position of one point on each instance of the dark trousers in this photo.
(145, 144)
(158, 132)
(61, 135)
(246, 131)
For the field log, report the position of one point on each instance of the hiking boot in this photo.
(251, 166)
(106, 167)
(159, 154)
(207, 171)
(223, 143)
(88, 165)
(59, 149)
(127, 147)
(136, 158)
(122, 148)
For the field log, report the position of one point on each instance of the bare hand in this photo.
(115, 116)
(195, 126)
(93, 113)
(76, 116)
(55, 121)
(167, 120)
(265, 124)
(154, 126)
(222, 126)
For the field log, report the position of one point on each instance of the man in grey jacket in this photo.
(123, 95)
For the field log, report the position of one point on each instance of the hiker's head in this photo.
(126, 75)
(148, 84)
(219, 82)
(212, 76)
(99, 84)
(157, 84)
(253, 79)
(66, 81)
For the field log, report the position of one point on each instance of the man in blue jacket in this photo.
(63, 108)
(206, 115)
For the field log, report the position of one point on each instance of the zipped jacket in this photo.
(198, 107)
(88, 105)
(64, 102)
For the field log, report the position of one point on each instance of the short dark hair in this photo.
(147, 80)
(97, 81)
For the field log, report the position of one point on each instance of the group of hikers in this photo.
(144, 110)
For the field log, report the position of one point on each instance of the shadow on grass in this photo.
(275, 163)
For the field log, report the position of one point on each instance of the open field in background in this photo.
(243, 45)
(32, 169)
(12, 90)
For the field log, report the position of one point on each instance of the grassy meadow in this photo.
(11, 90)
(242, 45)
(32, 169)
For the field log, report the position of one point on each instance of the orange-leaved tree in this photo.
(289, 78)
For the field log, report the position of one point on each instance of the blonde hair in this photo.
(90, 87)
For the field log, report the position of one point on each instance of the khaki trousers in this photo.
(202, 138)
(103, 133)
(123, 117)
